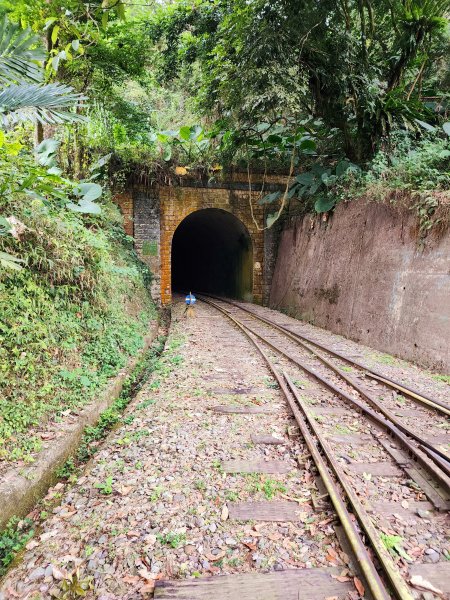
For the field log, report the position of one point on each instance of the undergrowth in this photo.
(112, 415)
(68, 321)
(18, 532)
(410, 175)
(13, 539)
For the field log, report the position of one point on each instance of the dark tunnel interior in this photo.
(212, 252)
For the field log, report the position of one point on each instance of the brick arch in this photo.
(178, 203)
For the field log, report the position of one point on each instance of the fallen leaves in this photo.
(359, 586)
(131, 579)
(251, 547)
(214, 557)
(419, 582)
(59, 574)
(225, 513)
(341, 578)
(133, 533)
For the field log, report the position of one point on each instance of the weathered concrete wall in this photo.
(362, 275)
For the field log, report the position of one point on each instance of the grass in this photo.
(232, 496)
(156, 493)
(18, 532)
(342, 429)
(442, 378)
(386, 359)
(172, 539)
(267, 485)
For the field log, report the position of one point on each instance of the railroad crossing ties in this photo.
(399, 448)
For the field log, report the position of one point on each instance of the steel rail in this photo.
(436, 455)
(414, 394)
(406, 391)
(371, 575)
(436, 472)
(384, 557)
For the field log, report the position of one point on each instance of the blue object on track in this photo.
(190, 299)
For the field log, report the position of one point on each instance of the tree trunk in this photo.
(38, 133)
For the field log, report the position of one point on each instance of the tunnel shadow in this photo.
(212, 252)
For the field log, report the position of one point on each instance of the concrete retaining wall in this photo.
(21, 488)
(362, 275)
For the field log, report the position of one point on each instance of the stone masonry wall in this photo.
(125, 202)
(179, 202)
(153, 214)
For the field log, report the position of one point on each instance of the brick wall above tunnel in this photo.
(177, 203)
(157, 211)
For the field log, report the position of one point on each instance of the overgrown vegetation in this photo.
(349, 97)
(18, 532)
(110, 417)
(74, 300)
(13, 539)
(70, 319)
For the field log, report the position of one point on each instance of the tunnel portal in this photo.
(212, 252)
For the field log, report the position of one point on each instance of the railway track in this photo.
(393, 450)
(409, 392)
(248, 468)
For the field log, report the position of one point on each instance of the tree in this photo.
(356, 64)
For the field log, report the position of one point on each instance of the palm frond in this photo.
(49, 103)
(20, 52)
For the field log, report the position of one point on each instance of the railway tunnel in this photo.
(212, 252)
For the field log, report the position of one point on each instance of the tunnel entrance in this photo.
(212, 252)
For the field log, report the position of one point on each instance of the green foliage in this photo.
(20, 53)
(411, 165)
(13, 539)
(74, 586)
(320, 184)
(105, 487)
(360, 66)
(25, 98)
(67, 470)
(442, 378)
(111, 416)
(42, 180)
(267, 485)
(64, 327)
(43, 104)
(394, 543)
(172, 539)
